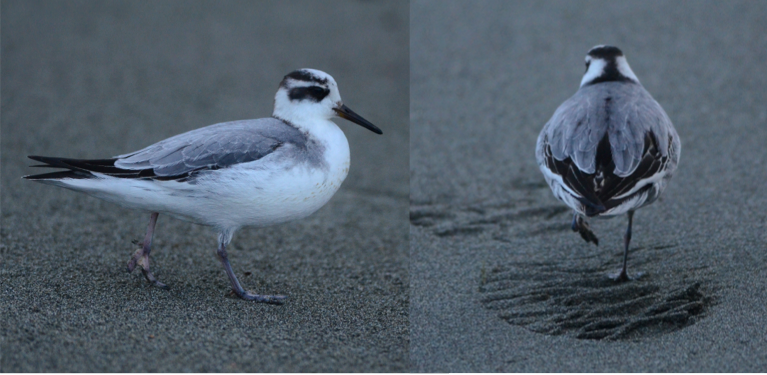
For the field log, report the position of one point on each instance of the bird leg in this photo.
(238, 290)
(623, 274)
(582, 227)
(141, 256)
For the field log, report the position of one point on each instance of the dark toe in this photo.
(589, 236)
(274, 300)
(160, 285)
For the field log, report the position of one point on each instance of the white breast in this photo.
(269, 191)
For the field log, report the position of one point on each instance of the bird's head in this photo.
(605, 64)
(309, 94)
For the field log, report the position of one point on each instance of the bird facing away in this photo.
(229, 175)
(609, 149)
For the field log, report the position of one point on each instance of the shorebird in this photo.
(229, 175)
(609, 149)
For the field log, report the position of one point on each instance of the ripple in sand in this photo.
(586, 304)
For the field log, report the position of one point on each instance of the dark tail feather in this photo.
(82, 168)
(77, 168)
(59, 175)
(50, 162)
(92, 165)
(591, 209)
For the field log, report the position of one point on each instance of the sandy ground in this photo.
(96, 79)
(498, 281)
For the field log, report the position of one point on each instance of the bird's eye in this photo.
(314, 93)
(316, 90)
(587, 65)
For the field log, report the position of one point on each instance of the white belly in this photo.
(266, 198)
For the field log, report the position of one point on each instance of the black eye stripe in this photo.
(314, 93)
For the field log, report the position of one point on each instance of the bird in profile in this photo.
(229, 175)
(610, 148)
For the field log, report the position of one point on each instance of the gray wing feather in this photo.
(579, 124)
(215, 146)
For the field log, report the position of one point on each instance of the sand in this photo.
(498, 280)
(488, 276)
(96, 79)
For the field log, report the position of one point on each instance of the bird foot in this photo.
(622, 276)
(589, 236)
(274, 300)
(582, 227)
(141, 257)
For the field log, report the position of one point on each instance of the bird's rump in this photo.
(603, 190)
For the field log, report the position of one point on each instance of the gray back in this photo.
(214, 146)
(626, 112)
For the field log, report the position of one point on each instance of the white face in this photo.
(602, 67)
(307, 94)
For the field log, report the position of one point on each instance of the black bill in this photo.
(346, 113)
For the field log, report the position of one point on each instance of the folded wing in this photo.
(180, 157)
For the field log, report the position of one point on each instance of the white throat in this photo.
(302, 115)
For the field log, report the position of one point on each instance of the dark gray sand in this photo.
(95, 79)
(498, 280)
